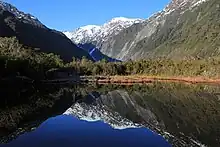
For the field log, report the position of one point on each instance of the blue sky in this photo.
(70, 14)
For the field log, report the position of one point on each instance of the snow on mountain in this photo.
(182, 4)
(121, 37)
(93, 113)
(26, 18)
(93, 33)
(83, 33)
(198, 3)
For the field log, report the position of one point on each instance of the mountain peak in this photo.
(25, 17)
(95, 33)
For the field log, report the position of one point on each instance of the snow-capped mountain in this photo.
(125, 39)
(25, 17)
(82, 33)
(99, 113)
(94, 33)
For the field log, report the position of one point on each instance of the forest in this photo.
(18, 60)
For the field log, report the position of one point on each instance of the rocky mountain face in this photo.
(32, 33)
(179, 31)
(183, 28)
(93, 35)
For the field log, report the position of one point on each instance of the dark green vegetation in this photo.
(17, 60)
(39, 37)
(209, 67)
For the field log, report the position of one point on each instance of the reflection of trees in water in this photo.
(193, 110)
(35, 106)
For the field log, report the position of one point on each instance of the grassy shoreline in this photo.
(131, 79)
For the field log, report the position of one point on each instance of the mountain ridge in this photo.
(138, 40)
(26, 17)
(94, 33)
(32, 33)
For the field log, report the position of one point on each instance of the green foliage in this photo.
(209, 67)
(16, 59)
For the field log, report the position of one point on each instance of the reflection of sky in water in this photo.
(68, 131)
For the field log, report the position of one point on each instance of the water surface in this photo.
(157, 114)
(68, 131)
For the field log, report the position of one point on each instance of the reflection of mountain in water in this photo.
(110, 108)
(100, 112)
(180, 113)
(114, 108)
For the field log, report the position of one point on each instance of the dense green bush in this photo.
(16, 59)
(209, 67)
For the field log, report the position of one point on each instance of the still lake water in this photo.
(67, 131)
(153, 115)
